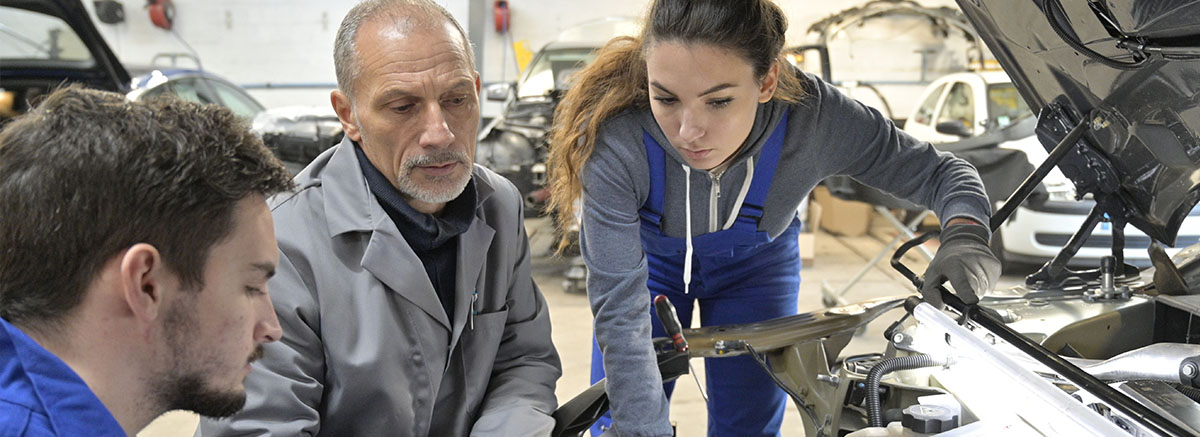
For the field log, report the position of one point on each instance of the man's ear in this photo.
(345, 113)
(478, 84)
(143, 280)
(769, 83)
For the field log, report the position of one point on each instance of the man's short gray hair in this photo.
(345, 51)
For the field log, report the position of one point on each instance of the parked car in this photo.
(969, 104)
(297, 134)
(966, 104)
(199, 86)
(45, 43)
(1113, 84)
(514, 144)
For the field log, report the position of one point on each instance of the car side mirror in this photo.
(499, 92)
(955, 128)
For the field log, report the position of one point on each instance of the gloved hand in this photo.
(964, 259)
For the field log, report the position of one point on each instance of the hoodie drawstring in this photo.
(687, 206)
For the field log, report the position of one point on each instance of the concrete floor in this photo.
(837, 260)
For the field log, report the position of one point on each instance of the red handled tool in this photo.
(670, 321)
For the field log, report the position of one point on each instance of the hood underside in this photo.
(99, 68)
(1130, 69)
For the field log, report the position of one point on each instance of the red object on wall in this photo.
(162, 13)
(500, 12)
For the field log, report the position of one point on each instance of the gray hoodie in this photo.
(827, 134)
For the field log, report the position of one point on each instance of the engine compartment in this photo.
(1146, 347)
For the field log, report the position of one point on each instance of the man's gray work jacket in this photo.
(367, 349)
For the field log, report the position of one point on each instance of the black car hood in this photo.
(1130, 69)
(107, 72)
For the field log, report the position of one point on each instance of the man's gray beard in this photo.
(407, 187)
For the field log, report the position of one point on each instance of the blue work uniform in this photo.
(738, 275)
(41, 396)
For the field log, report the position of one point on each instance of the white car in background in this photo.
(968, 104)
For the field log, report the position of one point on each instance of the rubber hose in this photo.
(1191, 393)
(874, 409)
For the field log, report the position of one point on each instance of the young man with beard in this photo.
(137, 248)
(404, 288)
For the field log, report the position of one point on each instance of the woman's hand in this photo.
(965, 259)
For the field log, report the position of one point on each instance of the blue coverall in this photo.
(739, 275)
(40, 396)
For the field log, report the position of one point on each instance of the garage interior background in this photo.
(281, 50)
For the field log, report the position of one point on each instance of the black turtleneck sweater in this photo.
(433, 238)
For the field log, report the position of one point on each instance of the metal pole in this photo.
(1034, 179)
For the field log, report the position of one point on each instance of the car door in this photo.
(235, 99)
(186, 88)
(958, 108)
(921, 123)
(65, 44)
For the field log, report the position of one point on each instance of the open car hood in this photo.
(102, 69)
(1128, 68)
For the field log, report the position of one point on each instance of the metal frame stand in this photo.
(831, 297)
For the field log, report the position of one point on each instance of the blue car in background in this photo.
(193, 85)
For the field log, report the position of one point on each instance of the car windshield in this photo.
(1005, 105)
(552, 70)
(32, 37)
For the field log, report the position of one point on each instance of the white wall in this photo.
(248, 42)
(252, 42)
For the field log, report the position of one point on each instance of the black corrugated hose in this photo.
(1191, 393)
(884, 367)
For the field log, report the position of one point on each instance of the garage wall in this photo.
(903, 54)
(286, 43)
(289, 43)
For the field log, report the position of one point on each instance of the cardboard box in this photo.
(810, 212)
(842, 217)
(808, 243)
(808, 237)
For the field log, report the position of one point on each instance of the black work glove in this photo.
(964, 259)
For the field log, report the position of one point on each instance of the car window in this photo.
(33, 36)
(162, 90)
(553, 70)
(959, 106)
(236, 100)
(192, 90)
(925, 111)
(1005, 105)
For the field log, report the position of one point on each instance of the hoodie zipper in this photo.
(713, 201)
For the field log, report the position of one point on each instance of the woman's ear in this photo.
(769, 83)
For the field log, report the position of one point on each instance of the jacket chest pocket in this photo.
(479, 348)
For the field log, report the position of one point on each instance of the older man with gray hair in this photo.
(404, 288)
